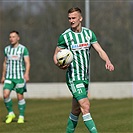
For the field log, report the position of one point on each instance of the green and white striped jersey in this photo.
(79, 44)
(15, 65)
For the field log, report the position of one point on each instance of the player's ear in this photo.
(81, 18)
(18, 38)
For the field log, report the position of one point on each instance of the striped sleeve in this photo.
(61, 42)
(26, 52)
(5, 52)
(93, 37)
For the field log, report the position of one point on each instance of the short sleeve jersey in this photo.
(79, 44)
(15, 65)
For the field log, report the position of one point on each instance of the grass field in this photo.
(50, 116)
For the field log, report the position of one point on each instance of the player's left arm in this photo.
(108, 65)
(27, 64)
(27, 67)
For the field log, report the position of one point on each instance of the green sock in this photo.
(8, 104)
(21, 107)
(72, 123)
(89, 123)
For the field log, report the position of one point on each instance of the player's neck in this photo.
(77, 29)
(15, 45)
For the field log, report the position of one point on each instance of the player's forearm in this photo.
(55, 60)
(4, 70)
(27, 65)
(27, 71)
(27, 68)
(54, 57)
(108, 64)
(104, 56)
(3, 73)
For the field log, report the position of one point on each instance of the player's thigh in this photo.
(7, 88)
(78, 89)
(20, 86)
(6, 93)
(8, 84)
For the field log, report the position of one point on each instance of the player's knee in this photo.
(76, 111)
(6, 94)
(20, 97)
(85, 108)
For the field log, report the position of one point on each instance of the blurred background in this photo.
(41, 22)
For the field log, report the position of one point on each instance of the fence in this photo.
(97, 90)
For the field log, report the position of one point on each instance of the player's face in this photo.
(14, 38)
(75, 19)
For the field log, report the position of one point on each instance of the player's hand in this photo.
(64, 67)
(109, 66)
(26, 77)
(2, 80)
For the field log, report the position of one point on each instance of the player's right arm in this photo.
(55, 53)
(61, 45)
(55, 60)
(4, 71)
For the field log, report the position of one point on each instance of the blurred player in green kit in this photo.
(15, 74)
(79, 40)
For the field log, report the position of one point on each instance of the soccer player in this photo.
(79, 40)
(15, 74)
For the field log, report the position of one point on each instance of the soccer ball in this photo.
(64, 57)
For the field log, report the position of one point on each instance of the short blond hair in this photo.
(74, 9)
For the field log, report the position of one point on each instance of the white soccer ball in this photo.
(64, 57)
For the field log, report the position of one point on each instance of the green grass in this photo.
(50, 116)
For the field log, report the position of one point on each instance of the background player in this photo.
(15, 74)
(79, 40)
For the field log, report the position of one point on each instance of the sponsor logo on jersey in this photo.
(13, 57)
(80, 46)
